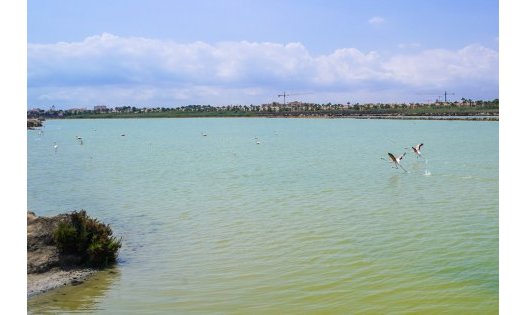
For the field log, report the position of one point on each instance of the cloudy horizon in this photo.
(172, 54)
(114, 70)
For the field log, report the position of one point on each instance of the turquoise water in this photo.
(311, 220)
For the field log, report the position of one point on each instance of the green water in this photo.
(309, 221)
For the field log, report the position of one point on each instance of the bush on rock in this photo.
(87, 238)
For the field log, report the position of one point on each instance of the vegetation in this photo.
(87, 238)
(466, 107)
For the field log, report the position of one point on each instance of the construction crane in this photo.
(284, 95)
(445, 96)
(446, 93)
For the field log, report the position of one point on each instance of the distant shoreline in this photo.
(475, 118)
(467, 110)
(325, 116)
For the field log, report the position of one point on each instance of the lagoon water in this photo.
(309, 221)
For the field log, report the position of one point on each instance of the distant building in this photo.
(295, 104)
(34, 111)
(76, 110)
(274, 107)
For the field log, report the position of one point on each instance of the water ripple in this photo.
(311, 221)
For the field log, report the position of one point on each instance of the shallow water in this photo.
(311, 220)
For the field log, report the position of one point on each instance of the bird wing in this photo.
(401, 157)
(392, 156)
(419, 146)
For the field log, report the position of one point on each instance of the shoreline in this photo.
(39, 283)
(328, 116)
(464, 118)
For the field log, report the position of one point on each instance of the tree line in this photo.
(466, 106)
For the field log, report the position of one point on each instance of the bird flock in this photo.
(396, 160)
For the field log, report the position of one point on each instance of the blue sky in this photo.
(173, 53)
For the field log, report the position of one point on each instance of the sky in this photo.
(175, 53)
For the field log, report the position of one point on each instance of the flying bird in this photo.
(396, 160)
(55, 146)
(81, 141)
(416, 149)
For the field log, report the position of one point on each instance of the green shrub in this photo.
(87, 238)
(65, 237)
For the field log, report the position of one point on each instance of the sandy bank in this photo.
(38, 283)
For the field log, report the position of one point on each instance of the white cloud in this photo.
(347, 65)
(440, 67)
(376, 20)
(113, 70)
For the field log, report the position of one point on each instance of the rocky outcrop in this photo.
(47, 266)
(42, 254)
(33, 123)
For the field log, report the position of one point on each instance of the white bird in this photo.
(80, 140)
(396, 160)
(416, 149)
(55, 146)
(203, 134)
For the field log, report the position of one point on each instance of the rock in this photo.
(40, 231)
(47, 268)
(33, 123)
